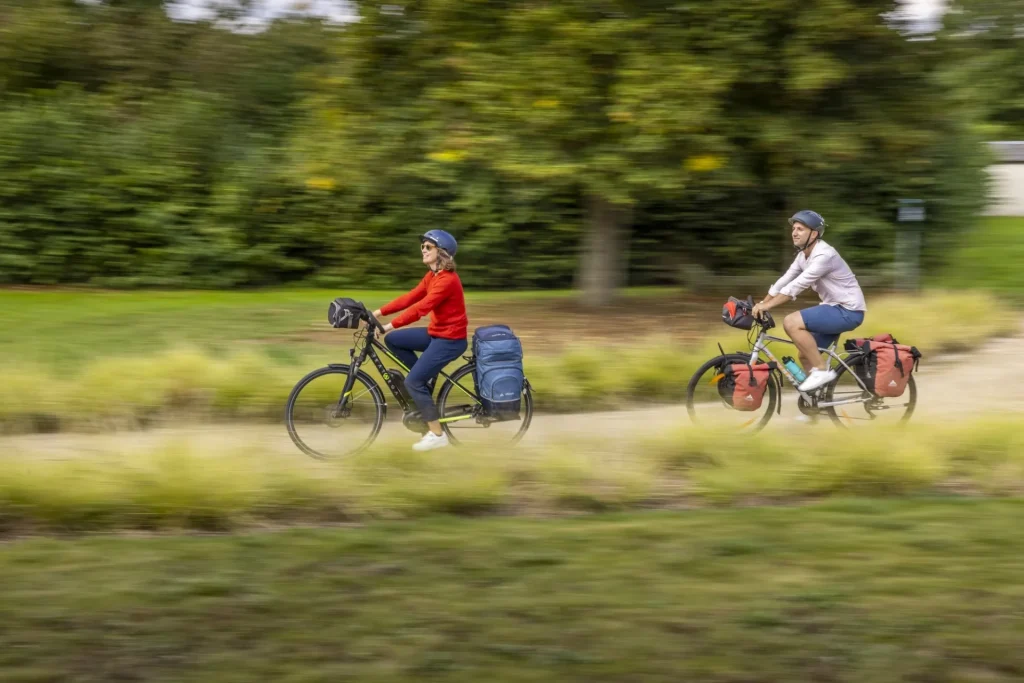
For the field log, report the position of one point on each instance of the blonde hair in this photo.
(445, 261)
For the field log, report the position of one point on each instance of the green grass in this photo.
(849, 590)
(939, 322)
(148, 357)
(63, 328)
(179, 486)
(990, 256)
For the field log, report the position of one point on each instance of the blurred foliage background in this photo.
(592, 144)
(654, 148)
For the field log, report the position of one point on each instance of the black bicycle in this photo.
(339, 410)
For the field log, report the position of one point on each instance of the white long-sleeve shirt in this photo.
(827, 274)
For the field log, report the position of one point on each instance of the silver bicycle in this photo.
(847, 400)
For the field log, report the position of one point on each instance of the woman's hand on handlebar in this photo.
(375, 322)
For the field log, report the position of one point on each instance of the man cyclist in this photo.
(818, 266)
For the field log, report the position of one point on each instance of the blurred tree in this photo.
(606, 101)
(572, 142)
(765, 107)
(987, 39)
(124, 134)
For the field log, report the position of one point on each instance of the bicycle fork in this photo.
(350, 381)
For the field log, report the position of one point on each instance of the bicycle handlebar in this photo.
(766, 320)
(373, 322)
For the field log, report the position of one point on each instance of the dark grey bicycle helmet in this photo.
(812, 219)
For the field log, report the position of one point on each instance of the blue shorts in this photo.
(827, 322)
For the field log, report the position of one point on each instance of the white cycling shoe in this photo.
(817, 379)
(430, 441)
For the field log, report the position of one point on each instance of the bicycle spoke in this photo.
(464, 418)
(868, 409)
(362, 392)
(322, 427)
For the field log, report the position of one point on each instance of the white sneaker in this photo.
(817, 379)
(430, 441)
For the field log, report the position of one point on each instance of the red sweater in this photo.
(438, 294)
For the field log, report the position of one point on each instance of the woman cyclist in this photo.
(439, 294)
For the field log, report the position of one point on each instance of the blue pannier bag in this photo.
(499, 371)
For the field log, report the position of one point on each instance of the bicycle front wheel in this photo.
(463, 417)
(325, 427)
(707, 405)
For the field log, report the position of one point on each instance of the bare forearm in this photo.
(771, 302)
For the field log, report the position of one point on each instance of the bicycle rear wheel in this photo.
(463, 417)
(317, 423)
(707, 407)
(862, 407)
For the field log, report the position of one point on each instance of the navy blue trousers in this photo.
(435, 354)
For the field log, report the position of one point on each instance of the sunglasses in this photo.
(427, 246)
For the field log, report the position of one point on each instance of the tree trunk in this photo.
(604, 261)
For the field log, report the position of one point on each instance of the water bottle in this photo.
(792, 366)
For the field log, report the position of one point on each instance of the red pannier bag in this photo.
(743, 386)
(887, 366)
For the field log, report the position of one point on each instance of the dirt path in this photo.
(952, 387)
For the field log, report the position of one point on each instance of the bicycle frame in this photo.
(369, 350)
(761, 346)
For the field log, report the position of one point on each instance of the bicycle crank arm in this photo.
(456, 413)
(457, 418)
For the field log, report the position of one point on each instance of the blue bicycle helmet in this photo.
(441, 240)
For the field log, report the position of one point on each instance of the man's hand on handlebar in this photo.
(760, 310)
(762, 316)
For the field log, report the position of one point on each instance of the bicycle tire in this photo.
(449, 384)
(371, 386)
(831, 387)
(691, 387)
